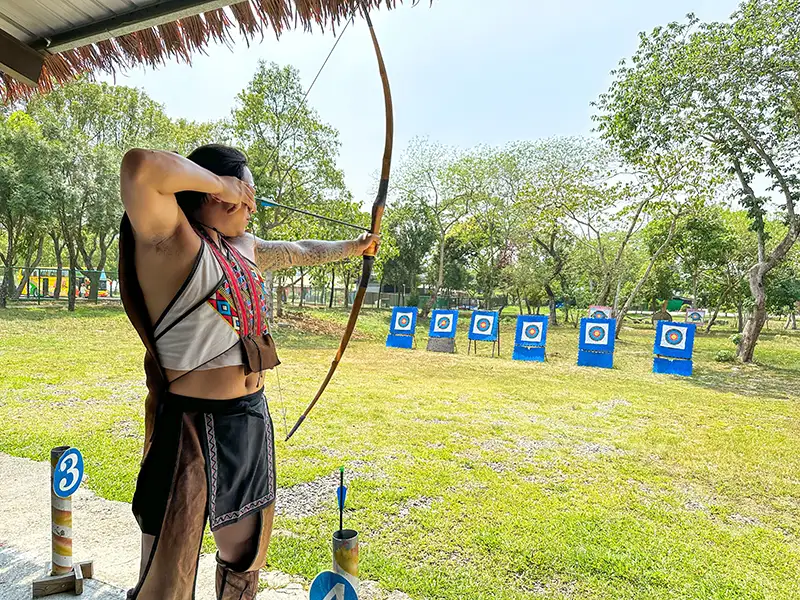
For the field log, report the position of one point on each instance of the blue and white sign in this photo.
(404, 320)
(596, 343)
(675, 340)
(484, 326)
(695, 315)
(443, 323)
(600, 312)
(531, 338)
(68, 473)
(331, 586)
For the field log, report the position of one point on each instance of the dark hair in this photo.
(220, 160)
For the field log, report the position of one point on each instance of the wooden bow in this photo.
(377, 215)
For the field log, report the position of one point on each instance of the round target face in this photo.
(674, 336)
(483, 325)
(597, 333)
(694, 317)
(532, 333)
(403, 321)
(443, 323)
(598, 314)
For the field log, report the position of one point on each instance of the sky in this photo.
(462, 72)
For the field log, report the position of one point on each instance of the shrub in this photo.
(725, 356)
(736, 338)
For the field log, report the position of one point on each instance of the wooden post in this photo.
(61, 574)
(61, 522)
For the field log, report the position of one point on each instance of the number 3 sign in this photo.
(68, 473)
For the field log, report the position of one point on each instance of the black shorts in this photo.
(238, 446)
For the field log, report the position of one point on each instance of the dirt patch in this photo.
(592, 449)
(312, 498)
(606, 408)
(308, 324)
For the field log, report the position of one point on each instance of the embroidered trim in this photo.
(212, 460)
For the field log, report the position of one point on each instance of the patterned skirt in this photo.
(237, 442)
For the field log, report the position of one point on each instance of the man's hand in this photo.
(365, 240)
(235, 191)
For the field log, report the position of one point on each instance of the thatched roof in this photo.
(180, 39)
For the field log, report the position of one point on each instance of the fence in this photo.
(320, 296)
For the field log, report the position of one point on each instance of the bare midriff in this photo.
(225, 383)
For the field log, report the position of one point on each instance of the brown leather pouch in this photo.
(259, 353)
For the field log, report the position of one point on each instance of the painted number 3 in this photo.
(68, 473)
(73, 474)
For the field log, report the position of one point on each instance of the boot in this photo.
(235, 585)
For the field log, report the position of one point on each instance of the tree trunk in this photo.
(58, 247)
(347, 290)
(626, 307)
(30, 264)
(758, 318)
(551, 299)
(8, 271)
(519, 301)
(791, 321)
(94, 285)
(73, 281)
(281, 290)
(739, 316)
(333, 289)
(713, 318)
(302, 287)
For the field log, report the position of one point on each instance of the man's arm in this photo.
(275, 255)
(149, 180)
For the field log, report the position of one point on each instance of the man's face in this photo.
(230, 220)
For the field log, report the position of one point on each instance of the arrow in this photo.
(270, 203)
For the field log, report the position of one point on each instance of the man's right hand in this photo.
(235, 191)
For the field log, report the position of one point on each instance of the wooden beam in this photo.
(20, 61)
(137, 19)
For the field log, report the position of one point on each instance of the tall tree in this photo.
(428, 180)
(731, 93)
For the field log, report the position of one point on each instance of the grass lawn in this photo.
(474, 477)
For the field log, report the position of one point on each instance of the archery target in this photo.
(596, 334)
(673, 336)
(695, 316)
(531, 333)
(443, 324)
(600, 312)
(403, 321)
(483, 325)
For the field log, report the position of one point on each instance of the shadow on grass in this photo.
(749, 380)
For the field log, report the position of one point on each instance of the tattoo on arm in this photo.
(275, 255)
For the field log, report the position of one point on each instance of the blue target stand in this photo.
(331, 586)
(531, 337)
(484, 327)
(596, 343)
(442, 332)
(673, 348)
(402, 328)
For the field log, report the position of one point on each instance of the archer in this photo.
(191, 285)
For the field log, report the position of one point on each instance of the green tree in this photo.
(730, 94)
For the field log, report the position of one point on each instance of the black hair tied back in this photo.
(220, 160)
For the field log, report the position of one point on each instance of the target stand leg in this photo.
(68, 582)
